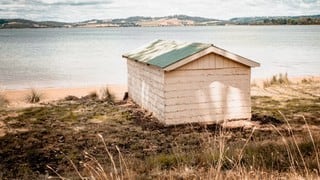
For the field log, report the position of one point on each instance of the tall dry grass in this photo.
(3, 101)
(107, 96)
(33, 96)
(216, 159)
(278, 79)
(94, 170)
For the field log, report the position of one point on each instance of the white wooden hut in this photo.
(190, 82)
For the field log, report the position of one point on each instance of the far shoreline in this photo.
(109, 27)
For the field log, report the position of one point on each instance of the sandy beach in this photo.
(17, 97)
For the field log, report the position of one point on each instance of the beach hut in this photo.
(190, 82)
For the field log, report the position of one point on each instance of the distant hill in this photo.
(277, 20)
(23, 23)
(175, 20)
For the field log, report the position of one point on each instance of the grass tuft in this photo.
(3, 101)
(34, 96)
(106, 95)
(308, 81)
(278, 79)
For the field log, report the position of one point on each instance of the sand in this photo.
(17, 97)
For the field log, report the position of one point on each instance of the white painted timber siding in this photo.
(145, 87)
(210, 89)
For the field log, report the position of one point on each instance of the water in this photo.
(85, 57)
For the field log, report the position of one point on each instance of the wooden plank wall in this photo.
(145, 87)
(211, 89)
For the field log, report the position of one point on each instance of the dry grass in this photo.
(308, 81)
(216, 159)
(279, 79)
(106, 95)
(284, 145)
(34, 96)
(3, 101)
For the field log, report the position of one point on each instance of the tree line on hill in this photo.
(137, 21)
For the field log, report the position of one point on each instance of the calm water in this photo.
(84, 57)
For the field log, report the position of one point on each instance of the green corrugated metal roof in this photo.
(163, 53)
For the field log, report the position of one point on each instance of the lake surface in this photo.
(92, 56)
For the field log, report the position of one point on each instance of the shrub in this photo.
(34, 96)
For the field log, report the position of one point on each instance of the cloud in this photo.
(78, 10)
(58, 10)
(72, 3)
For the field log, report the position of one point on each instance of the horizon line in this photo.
(161, 17)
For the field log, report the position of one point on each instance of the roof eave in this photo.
(141, 62)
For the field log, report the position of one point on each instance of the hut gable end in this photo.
(211, 61)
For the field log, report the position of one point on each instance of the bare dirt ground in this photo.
(59, 133)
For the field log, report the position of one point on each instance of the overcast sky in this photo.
(79, 10)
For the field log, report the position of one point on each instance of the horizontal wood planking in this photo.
(197, 100)
(147, 68)
(145, 86)
(211, 61)
(208, 85)
(137, 85)
(199, 95)
(132, 81)
(207, 78)
(155, 74)
(149, 104)
(146, 94)
(145, 76)
(207, 105)
(213, 93)
(204, 72)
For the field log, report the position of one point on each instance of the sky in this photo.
(80, 10)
